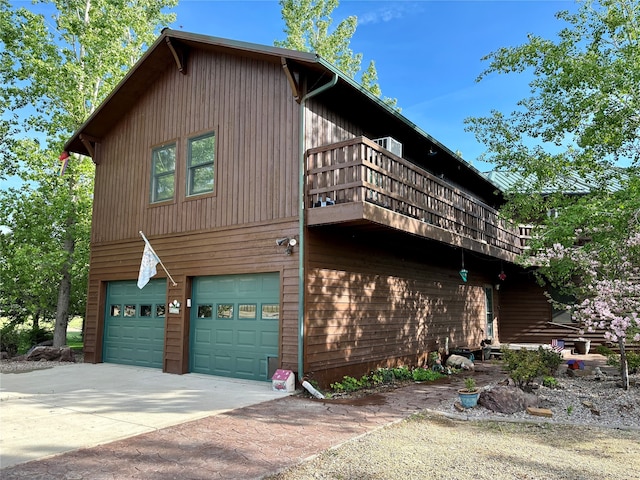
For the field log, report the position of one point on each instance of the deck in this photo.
(359, 182)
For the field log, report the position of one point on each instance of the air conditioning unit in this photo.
(390, 144)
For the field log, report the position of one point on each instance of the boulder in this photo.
(507, 400)
(61, 354)
(458, 361)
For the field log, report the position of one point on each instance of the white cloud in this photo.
(385, 13)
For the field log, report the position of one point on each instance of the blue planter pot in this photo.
(468, 399)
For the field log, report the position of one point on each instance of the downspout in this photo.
(302, 191)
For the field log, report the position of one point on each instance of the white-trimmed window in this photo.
(201, 164)
(163, 173)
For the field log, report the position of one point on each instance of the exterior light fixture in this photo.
(288, 242)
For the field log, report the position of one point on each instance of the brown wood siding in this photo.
(250, 249)
(325, 126)
(369, 306)
(248, 104)
(525, 316)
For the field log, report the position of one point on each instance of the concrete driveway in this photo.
(46, 412)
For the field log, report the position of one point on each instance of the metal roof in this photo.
(572, 184)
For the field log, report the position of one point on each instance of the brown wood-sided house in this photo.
(307, 225)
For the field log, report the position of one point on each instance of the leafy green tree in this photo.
(581, 122)
(584, 112)
(307, 25)
(54, 72)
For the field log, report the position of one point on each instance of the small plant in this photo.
(470, 384)
(402, 373)
(425, 375)
(550, 382)
(569, 409)
(383, 376)
(348, 384)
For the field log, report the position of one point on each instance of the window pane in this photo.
(163, 173)
(270, 311)
(201, 150)
(202, 179)
(129, 310)
(225, 311)
(247, 311)
(163, 188)
(205, 311)
(115, 310)
(160, 310)
(164, 159)
(145, 310)
(200, 164)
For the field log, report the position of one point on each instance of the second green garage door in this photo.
(235, 323)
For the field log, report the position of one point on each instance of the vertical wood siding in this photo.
(248, 104)
(325, 126)
(369, 306)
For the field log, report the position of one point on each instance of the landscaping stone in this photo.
(62, 354)
(507, 399)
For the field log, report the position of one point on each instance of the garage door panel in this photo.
(246, 338)
(223, 338)
(242, 340)
(223, 364)
(201, 362)
(245, 365)
(268, 338)
(202, 336)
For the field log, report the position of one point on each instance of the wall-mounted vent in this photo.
(390, 144)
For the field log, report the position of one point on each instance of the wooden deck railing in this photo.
(359, 170)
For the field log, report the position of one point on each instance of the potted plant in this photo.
(469, 394)
(582, 346)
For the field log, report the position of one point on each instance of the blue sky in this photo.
(427, 53)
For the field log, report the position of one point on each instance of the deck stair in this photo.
(496, 350)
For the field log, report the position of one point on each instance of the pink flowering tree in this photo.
(600, 268)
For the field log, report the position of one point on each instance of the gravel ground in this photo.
(594, 433)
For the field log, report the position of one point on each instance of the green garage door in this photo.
(134, 323)
(235, 324)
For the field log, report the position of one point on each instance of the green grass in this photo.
(74, 340)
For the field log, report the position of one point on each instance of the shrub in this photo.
(551, 361)
(524, 366)
(633, 360)
(16, 340)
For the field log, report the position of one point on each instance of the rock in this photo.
(4, 355)
(507, 400)
(62, 354)
(599, 374)
(458, 361)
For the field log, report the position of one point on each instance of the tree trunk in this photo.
(64, 295)
(624, 366)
